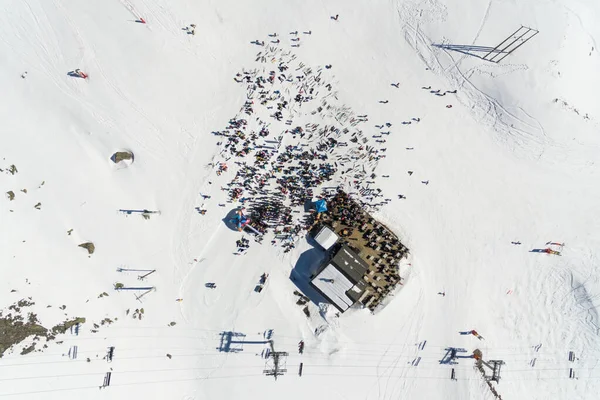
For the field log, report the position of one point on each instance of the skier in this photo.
(477, 335)
(550, 251)
(301, 347)
(210, 285)
(81, 74)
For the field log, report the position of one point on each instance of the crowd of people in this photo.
(358, 229)
(278, 172)
(291, 140)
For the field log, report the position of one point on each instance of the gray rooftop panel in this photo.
(350, 263)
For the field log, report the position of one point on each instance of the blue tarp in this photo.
(320, 206)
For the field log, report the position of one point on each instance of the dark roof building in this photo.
(340, 278)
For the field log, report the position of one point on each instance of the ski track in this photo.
(476, 96)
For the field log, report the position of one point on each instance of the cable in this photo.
(128, 384)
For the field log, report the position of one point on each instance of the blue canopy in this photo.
(240, 220)
(321, 206)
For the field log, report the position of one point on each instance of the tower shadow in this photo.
(468, 49)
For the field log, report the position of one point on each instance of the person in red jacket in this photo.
(477, 335)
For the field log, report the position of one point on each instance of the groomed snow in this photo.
(515, 159)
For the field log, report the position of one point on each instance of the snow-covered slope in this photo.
(513, 160)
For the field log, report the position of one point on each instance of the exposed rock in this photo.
(122, 158)
(28, 349)
(89, 246)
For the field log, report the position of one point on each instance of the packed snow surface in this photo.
(516, 158)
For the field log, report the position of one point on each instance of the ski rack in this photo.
(494, 54)
(106, 381)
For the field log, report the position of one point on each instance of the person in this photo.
(477, 335)
(241, 219)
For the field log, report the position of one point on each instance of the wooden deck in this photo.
(372, 241)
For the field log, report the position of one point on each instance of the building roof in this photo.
(357, 291)
(341, 279)
(350, 263)
(334, 285)
(326, 238)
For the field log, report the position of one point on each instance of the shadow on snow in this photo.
(307, 264)
(229, 219)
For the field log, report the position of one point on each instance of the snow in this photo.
(333, 284)
(516, 158)
(326, 238)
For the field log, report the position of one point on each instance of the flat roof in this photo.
(326, 238)
(350, 263)
(334, 285)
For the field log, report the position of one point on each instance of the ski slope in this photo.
(514, 159)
